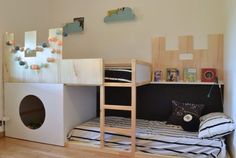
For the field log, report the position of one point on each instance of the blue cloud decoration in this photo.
(76, 26)
(120, 14)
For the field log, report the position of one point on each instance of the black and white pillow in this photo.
(215, 125)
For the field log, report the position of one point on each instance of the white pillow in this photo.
(215, 125)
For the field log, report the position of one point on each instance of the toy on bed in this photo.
(186, 115)
(212, 125)
(191, 123)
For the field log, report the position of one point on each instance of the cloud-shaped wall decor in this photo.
(76, 26)
(120, 14)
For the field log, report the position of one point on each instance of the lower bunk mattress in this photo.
(153, 137)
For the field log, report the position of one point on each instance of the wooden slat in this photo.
(157, 54)
(77, 84)
(118, 130)
(115, 84)
(143, 62)
(186, 43)
(123, 66)
(189, 83)
(118, 107)
(142, 83)
(118, 63)
(133, 112)
(146, 155)
(102, 115)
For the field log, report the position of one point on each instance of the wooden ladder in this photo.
(132, 108)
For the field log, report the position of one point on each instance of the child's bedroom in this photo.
(117, 79)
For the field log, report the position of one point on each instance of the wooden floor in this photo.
(14, 148)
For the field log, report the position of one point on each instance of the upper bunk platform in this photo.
(116, 73)
(127, 73)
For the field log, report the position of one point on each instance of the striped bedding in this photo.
(153, 137)
(118, 75)
(215, 125)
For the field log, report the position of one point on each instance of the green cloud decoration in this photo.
(120, 14)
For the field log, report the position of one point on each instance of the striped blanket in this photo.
(153, 137)
(118, 75)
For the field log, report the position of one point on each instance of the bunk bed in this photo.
(144, 137)
(137, 137)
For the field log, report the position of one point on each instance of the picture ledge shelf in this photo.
(188, 83)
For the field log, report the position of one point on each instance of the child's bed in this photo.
(153, 137)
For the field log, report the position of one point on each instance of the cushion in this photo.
(191, 123)
(215, 125)
(179, 110)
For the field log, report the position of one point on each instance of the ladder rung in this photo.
(116, 84)
(118, 107)
(118, 130)
(118, 63)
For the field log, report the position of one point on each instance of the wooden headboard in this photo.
(201, 58)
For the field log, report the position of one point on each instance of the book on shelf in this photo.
(172, 74)
(208, 75)
(190, 74)
(157, 75)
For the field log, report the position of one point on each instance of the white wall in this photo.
(19, 16)
(133, 39)
(230, 64)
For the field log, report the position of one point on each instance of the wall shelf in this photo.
(189, 83)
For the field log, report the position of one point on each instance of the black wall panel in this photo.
(154, 100)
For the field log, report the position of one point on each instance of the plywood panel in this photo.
(202, 58)
(48, 71)
(82, 71)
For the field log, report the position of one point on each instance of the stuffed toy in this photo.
(191, 123)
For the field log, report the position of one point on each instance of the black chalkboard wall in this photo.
(154, 100)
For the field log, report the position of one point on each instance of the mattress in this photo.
(153, 137)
